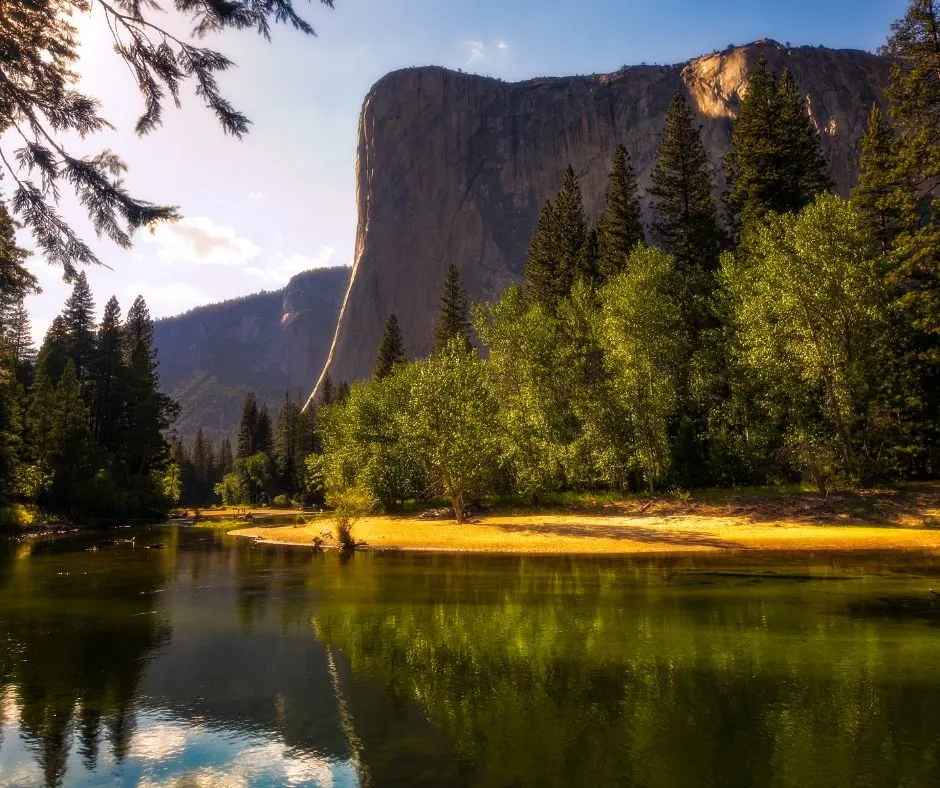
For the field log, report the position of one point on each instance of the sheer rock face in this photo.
(270, 343)
(452, 168)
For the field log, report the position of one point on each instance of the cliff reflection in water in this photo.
(213, 662)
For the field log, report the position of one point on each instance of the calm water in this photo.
(213, 663)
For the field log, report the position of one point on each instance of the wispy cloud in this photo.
(502, 46)
(283, 267)
(197, 240)
(254, 195)
(477, 51)
(169, 298)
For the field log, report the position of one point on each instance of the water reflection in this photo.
(214, 662)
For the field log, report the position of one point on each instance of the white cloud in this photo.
(283, 267)
(477, 51)
(502, 46)
(157, 743)
(254, 195)
(169, 298)
(199, 240)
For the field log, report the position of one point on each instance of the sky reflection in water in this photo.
(214, 663)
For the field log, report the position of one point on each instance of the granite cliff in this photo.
(452, 167)
(269, 343)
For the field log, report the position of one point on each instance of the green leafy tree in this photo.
(391, 349)
(365, 446)
(774, 163)
(229, 490)
(620, 228)
(641, 335)
(530, 387)
(450, 423)
(453, 315)
(808, 304)
(258, 481)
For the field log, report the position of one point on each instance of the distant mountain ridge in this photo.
(270, 343)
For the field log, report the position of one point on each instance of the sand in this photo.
(555, 533)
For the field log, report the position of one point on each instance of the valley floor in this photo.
(906, 519)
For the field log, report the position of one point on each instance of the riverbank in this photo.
(907, 519)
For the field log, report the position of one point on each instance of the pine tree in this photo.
(248, 428)
(803, 163)
(54, 352)
(70, 438)
(203, 470)
(620, 227)
(685, 222)
(15, 281)
(109, 379)
(589, 258)
(914, 88)
(226, 461)
(342, 392)
(914, 95)
(264, 437)
(885, 193)
(540, 261)
(79, 317)
(286, 440)
(557, 245)
(774, 163)
(327, 393)
(391, 349)
(21, 338)
(453, 317)
(149, 413)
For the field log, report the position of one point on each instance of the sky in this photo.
(283, 200)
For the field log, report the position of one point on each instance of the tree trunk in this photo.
(457, 503)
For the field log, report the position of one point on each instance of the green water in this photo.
(214, 663)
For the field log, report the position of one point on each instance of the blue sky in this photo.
(283, 200)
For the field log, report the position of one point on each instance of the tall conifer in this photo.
(109, 378)
(79, 317)
(391, 349)
(885, 193)
(774, 163)
(685, 220)
(620, 227)
(247, 428)
(914, 95)
(453, 316)
(557, 251)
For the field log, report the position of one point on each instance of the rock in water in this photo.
(452, 167)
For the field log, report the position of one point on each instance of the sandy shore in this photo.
(615, 533)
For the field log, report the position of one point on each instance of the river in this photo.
(215, 662)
